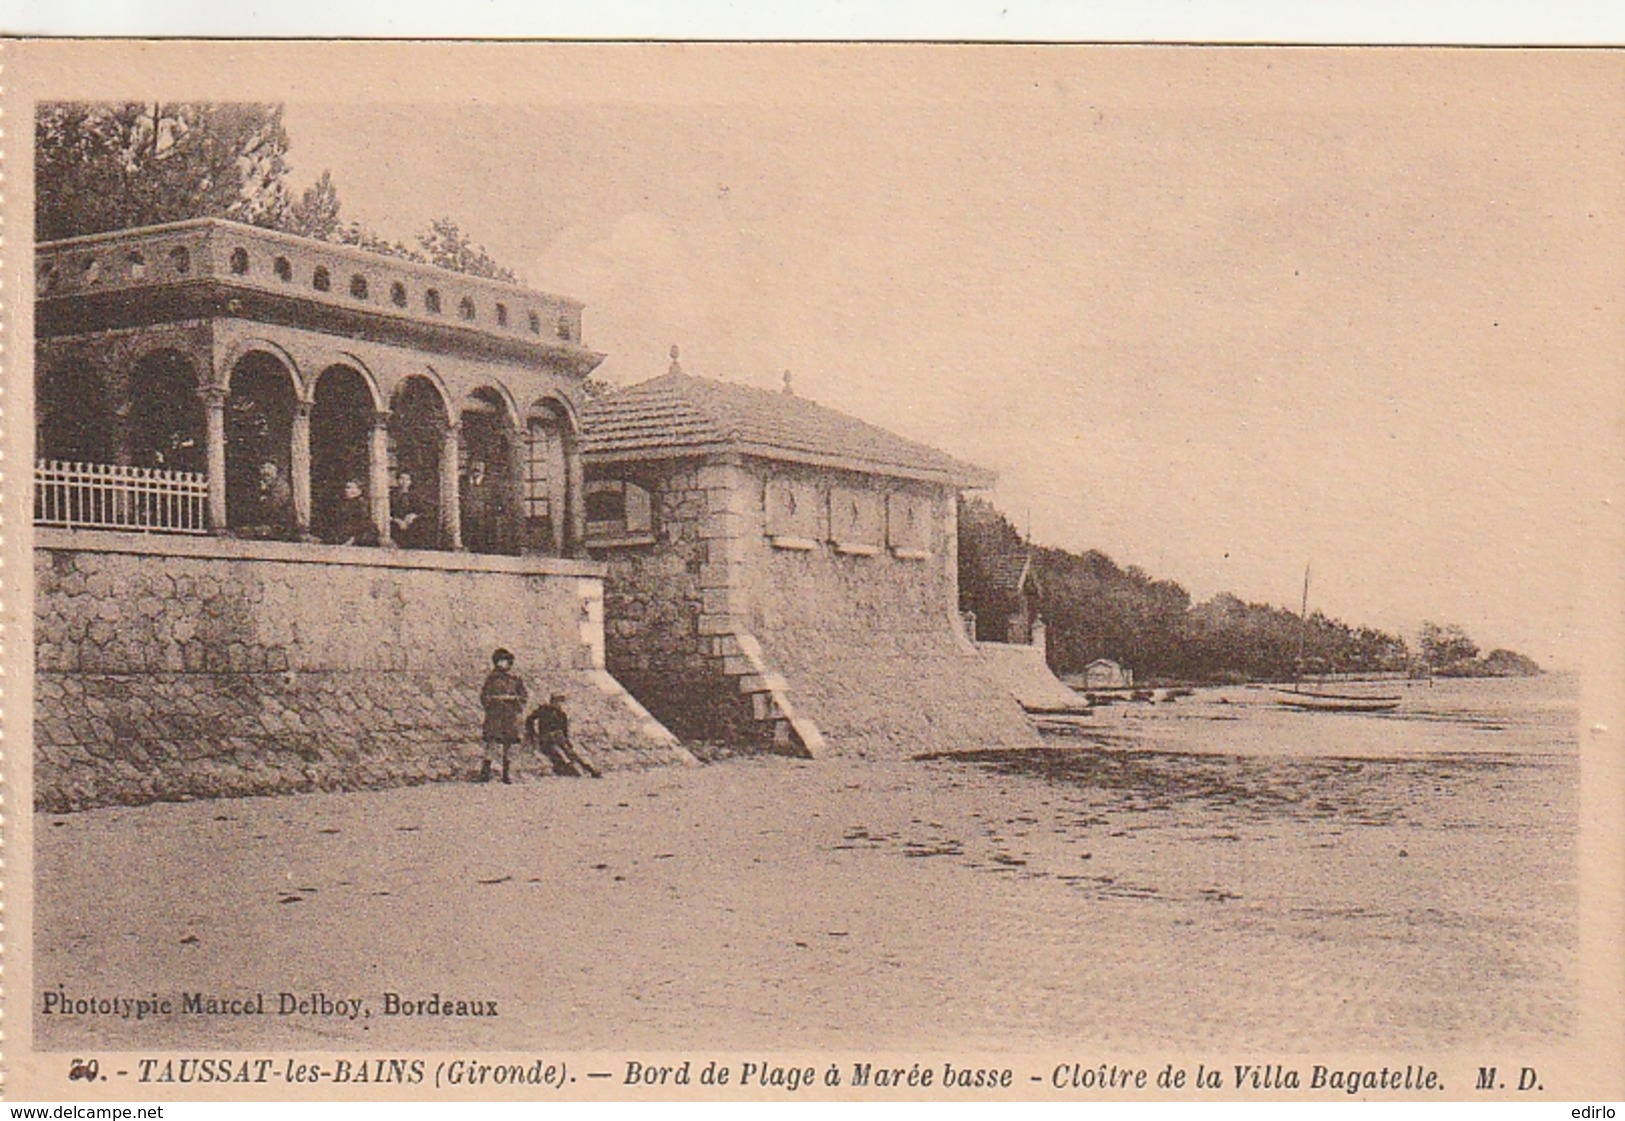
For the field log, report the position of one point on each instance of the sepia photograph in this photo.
(813, 571)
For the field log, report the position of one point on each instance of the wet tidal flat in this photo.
(1213, 871)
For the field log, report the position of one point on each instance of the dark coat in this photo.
(547, 724)
(503, 697)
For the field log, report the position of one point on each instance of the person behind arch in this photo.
(273, 505)
(355, 526)
(410, 524)
(475, 508)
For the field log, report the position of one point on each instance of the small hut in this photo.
(1103, 673)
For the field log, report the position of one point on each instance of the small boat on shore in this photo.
(1311, 700)
(1308, 701)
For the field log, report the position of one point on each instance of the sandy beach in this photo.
(1203, 872)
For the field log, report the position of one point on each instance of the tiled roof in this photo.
(1008, 572)
(677, 414)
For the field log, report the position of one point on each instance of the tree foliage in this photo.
(446, 245)
(1444, 646)
(1095, 608)
(106, 166)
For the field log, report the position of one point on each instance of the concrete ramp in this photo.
(1025, 675)
(897, 696)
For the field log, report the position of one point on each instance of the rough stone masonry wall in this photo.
(868, 644)
(857, 654)
(654, 598)
(173, 668)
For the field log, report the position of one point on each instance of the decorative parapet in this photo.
(338, 276)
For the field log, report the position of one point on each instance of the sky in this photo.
(1219, 314)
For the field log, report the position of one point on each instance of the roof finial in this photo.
(787, 390)
(676, 367)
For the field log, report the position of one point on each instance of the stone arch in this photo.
(375, 386)
(244, 347)
(259, 423)
(166, 423)
(342, 414)
(490, 471)
(75, 416)
(448, 399)
(489, 393)
(419, 416)
(143, 348)
(550, 480)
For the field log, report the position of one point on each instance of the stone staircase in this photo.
(740, 659)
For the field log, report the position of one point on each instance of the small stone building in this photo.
(1004, 603)
(1103, 673)
(781, 574)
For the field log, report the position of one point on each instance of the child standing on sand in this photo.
(503, 698)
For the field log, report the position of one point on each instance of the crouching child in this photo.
(548, 730)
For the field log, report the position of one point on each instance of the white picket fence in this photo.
(109, 496)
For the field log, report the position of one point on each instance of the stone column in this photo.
(558, 490)
(451, 496)
(378, 474)
(299, 469)
(575, 498)
(214, 400)
(512, 533)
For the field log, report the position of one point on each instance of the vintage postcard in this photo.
(861, 572)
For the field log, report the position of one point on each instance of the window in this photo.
(283, 270)
(239, 261)
(465, 308)
(397, 294)
(794, 512)
(137, 264)
(619, 513)
(502, 315)
(908, 525)
(181, 259)
(321, 280)
(606, 504)
(857, 521)
(431, 301)
(563, 328)
(535, 323)
(544, 462)
(358, 286)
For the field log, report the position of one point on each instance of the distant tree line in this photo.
(1448, 652)
(107, 166)
(1093, 608)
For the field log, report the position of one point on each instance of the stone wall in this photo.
(654, 598)
(172, 667)
(870, 643)
(789, 640)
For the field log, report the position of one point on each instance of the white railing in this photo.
(109, 496)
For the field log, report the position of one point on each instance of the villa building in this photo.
(289, 495)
